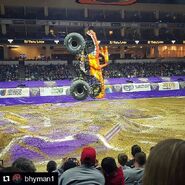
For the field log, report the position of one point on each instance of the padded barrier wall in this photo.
(38, 92)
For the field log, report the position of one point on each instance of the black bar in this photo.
(29, 178)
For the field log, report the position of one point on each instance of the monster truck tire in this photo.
(79, 89)
(74, 43)
(95, 90)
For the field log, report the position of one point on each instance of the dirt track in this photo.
(111, 126)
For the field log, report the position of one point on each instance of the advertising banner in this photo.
(34, 91)
(117, 88)
(14, 93)
(164, 86)
(53, 91)
(136, 87)
(182, 85)
(154, 86)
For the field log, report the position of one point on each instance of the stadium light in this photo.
(56, 41)
(137, 41)
(173, 41)
(10, 40)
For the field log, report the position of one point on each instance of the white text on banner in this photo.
(136, 87)
(165, 86)
(14, 92)
(53, 91)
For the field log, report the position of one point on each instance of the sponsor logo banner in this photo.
(53, 91)
(67, 91)
(117, 88)
(34, 92)
(154, 86)
(14, 93)
(164, 86)
(136, 87)
(182, 85)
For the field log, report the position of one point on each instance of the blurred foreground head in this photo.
(70, 163)
(166, 163)
(25, 165)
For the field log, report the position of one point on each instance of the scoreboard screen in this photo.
(107, 2)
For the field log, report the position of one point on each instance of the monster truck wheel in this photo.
(95, 90)
(79, 89)
(75, 43)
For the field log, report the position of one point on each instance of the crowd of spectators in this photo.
(128, 70)
(113, 70)
(93, 15)
(165, 165)
(103, 34)
(49, 72)
(9, 72)
(25, 31)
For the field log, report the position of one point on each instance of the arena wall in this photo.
(30, 92)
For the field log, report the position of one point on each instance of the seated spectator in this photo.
(51, 166)
(135, 175)
(122, 159)
(113, 174)
(166, 163)
(86, 173)
(70, 163)
(134, 150)
(23, 164)
(66, 164)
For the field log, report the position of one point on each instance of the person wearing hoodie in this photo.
(134, 176)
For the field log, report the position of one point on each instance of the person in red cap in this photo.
(86, 173)
(88, 156)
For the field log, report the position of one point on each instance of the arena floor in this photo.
(52, 131)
